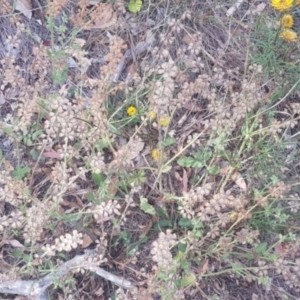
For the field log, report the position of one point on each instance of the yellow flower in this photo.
(131, 111)
(164, 121)
(282, 5)
(157, 154)
(287, 21)
(289, 35)
(152, 115)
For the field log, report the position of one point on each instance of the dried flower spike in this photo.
(282, 5)
(287, 21)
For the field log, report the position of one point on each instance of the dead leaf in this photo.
(256, 11)
(296, 107)
(79, 202)
(116, 231)
(2, 99)
(239, 180)
(192, 107)
(11, 94)
(104, 219)
(2, 207)
(260, 7)
(131, 69)
(202, 269)
(188, 39)
(4, 265)
(236, 176)
(7, 165)
(52, 154)
(177, 176)
(24, 7)
(14, 243)
(99, 292)
(254, 297)
(63, 90)
(281, 249)
(69, 204)
(86, 241)
(138, 147)
(146, 228)
(105, 17)
(233, 8)
(46, 170)
(184, 181)
(113, 186)
(225, 168)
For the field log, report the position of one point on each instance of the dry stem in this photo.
(37, 289)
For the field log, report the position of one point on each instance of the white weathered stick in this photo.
(38, 288)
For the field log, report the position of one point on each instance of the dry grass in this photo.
(161, 146)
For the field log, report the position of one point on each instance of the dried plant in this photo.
(140, 141)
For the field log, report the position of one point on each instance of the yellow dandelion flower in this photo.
(164, 121)
(152, 115)
(289, 35)
(131, 111)
(157, 154)
(287, 21)
(282, 5)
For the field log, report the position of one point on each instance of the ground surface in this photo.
(149, 150)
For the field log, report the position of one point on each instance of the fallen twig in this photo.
(37, 289)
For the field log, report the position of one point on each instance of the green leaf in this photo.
(185, 223)
(20, 173)
(188, 280)
(198, 234)
(17, 253)
(189, 161)
(146, 207)
(34, 154)
(207, 155)
(185, 265)
(98, 178)
(165, 223)
(185, 161)
(180, 256)
(261, 248)
(8, 130)
(71, 218)
(166, 168)
(197, 164)
(162, 212)
(168, 142)
(181, 247)
(59, 76)
(135, 6)
(27, 258)
(132, 249)
(91, 197)
(214, 170)
(114, 129)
